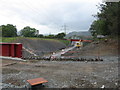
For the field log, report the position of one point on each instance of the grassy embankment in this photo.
(12, 39)
(9, 39)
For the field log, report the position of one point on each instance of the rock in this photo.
(116, 84)
(103, 86)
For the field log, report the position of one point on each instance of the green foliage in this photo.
(66, 42)
(60, 35)
(28, 32)
(12, 39)
(8, 30)
(50, 36)
(107, 20)
(99, 27)
(9, 39)
(0, 39)
(40, 35)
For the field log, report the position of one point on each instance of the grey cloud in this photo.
(77, 16)
(73, 14)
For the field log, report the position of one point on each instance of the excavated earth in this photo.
(39, 46)
(67, 74)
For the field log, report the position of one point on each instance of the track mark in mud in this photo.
(9, 71)
(13, 81)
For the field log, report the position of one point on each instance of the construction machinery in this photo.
(78, 44)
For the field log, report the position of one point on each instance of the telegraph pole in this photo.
(65, 28)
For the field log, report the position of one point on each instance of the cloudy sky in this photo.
(49, 16)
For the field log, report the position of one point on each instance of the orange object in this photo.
(37, 81)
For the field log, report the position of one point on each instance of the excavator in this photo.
(78, 44)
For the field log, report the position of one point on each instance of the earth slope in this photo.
(39, 46)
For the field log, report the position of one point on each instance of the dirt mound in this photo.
(39, 47)
(107, 47)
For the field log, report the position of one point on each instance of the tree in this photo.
(8, 30)
(50, 36)
(99, 27)
(107, 20)
(40, 35)
(28, 32)
(60, 35)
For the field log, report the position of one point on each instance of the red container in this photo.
(11, 49)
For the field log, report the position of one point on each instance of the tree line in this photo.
(107, 24)
(108, 20)
(10, 30)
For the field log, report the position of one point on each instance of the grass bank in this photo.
(9, 39)
(12, 39)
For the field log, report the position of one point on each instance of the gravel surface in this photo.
(67, 74)
(63, 74)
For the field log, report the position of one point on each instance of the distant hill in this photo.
(82, 34)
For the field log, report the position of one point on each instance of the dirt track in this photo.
(63, 74)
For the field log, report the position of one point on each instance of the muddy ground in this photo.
(68, 74)
(62, 74)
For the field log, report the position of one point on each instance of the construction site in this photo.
(59, 44)
(89, 66)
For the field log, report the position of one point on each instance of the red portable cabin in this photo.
(11, 49)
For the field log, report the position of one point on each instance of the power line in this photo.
(65, 28)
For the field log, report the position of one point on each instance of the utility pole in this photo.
(65, 28)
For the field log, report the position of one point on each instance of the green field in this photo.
(9, 39)
(12, 39)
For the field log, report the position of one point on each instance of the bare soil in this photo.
(64, 74)
(68, 74)
(96, 49)
(39, 46)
